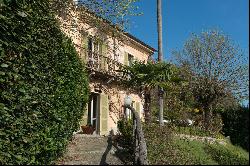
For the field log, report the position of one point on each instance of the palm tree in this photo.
(160, 57)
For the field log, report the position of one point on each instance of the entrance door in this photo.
(94, 111)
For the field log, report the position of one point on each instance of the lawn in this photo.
(166, 148)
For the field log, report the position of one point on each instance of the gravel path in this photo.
(90, 150)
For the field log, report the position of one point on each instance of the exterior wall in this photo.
(116, 96)
(115, 93)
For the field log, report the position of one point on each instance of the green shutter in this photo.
(104, 64)
(84, 47)
(126, 58)
(137, 108)
(104, 49)
(104, 113)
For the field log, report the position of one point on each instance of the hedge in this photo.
(236, 125)
(43, 84)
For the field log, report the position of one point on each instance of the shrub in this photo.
(126, 131)
(42, 83)
(166, 149)
(229, 155)
(158, 140)
(236, 125)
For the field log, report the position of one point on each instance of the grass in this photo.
(167, 149)
(194, 150)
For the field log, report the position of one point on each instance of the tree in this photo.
(217, 67)
(146, 77)
(160, 57)
(108, 16)
(115, 12)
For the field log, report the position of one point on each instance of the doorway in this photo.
(94, 112)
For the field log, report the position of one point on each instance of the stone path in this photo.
(91, 150)
(203, 139)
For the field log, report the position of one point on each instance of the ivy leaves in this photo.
(40, 74)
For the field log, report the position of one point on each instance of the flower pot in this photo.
(88, 129)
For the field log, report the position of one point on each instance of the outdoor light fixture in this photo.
(127, 100)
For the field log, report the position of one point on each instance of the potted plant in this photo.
(88, 129)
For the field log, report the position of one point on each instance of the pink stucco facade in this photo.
(104, 86)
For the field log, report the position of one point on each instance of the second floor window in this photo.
(94, 46)
(74, 24)
(130, 59)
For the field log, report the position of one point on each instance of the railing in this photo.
(101, 63)
(140, 147)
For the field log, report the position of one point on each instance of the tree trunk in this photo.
(207, 118)
(161, 106)
(147, 106)
(160, 57)
(159, 29)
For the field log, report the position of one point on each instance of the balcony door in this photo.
(94, 52)
(94, 111)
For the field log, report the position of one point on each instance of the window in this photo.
(129, 113)
(74, 25)
(95, 49)
(130, 59)
(63, 14)
(94, 46)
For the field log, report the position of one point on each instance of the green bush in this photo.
(125, 128)
(236, 125)
(228, 155)
(158, 140)
(42, 83)
(166, 149)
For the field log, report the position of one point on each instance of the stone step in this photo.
(89, 150)
(90, 159)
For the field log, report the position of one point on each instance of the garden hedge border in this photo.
(43, 84)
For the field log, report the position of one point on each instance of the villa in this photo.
(104, 53)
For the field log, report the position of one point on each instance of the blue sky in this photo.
(182, 17)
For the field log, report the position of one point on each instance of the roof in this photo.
(139, 41)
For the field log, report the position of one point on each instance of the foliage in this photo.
(115, 12)
(193, 152)
(166, 149)
(43, 85)
(179, 103)
(146, 77)
(217, 69)
(158, 138)
(197, 131)
(151, 74)
(216, 124)
(125, 128)
(227, 155)
(236, 125)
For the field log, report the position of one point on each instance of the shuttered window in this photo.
(84, 47)
(125, 58)
(104, 65)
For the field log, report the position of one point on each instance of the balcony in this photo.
(102, 65)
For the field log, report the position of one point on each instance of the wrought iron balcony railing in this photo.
(103, 64)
